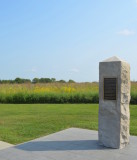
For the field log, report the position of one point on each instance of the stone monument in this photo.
(114, 98)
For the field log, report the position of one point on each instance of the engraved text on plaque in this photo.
(110, 87)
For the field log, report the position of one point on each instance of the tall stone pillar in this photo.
(114, 98)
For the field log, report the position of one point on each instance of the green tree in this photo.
(62, 81)
(21, 80)
(53, 80)
(45, 80)
(71, 81)
(18, 80)
(35, 80)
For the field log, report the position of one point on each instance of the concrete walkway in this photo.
(4, 145)
(69, 144)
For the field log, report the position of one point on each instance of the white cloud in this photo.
(135, 1)
(74, 70)
(126, 32)
(33, 70)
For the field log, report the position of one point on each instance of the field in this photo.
(54, 93)
(49, 93)
(23, 122)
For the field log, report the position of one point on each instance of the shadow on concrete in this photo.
(61, 145)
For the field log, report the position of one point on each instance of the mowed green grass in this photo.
(23, 122)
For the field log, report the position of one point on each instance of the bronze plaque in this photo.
(110, 88)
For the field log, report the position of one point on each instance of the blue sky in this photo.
(65, 39)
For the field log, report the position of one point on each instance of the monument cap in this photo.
(114, 59)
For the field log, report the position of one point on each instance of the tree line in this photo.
(35, 80)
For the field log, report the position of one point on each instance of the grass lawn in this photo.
(23, 122)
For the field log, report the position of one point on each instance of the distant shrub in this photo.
(49, 98)
(133, 98)
(57, 98)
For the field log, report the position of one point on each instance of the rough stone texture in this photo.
(114, 115)
(125, 99)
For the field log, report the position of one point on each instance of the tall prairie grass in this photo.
(55, 93)
(49, 93)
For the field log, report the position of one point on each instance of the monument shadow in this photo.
(61, 145)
